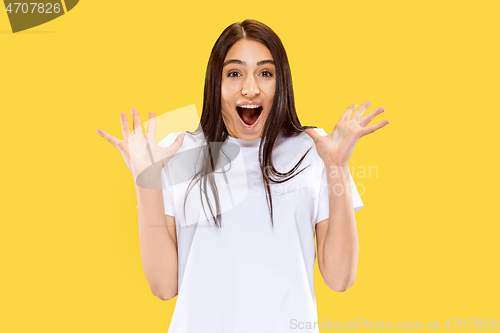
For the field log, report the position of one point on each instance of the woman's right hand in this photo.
(134, 146)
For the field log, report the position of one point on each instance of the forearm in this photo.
(341, 246)
(157, 246)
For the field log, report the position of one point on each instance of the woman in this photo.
(239, 253)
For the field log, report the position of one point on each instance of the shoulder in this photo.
(300, 140)
(295, 147)
(304, 135)
(314, 158)
(320, 131)
(169, 139)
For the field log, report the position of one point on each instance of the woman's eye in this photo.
(237, 74)
(230, 74)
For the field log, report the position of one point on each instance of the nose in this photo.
(250, 87)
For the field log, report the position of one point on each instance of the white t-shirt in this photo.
(247, 276)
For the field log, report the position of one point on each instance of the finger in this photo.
(137, 121)
(111, 139)
(345, 116)
(369, 117)
(373, 128)
(151, 123)
(151, 157)
(313, 134)
(359, 113)
(172, 149)
(125, 126)
(177, 143)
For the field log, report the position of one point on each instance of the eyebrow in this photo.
(239, 62)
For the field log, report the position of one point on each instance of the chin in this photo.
(249, 137)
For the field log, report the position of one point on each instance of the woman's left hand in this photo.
(336, 148)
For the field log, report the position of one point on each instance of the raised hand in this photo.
(336, 148)
(141, 151)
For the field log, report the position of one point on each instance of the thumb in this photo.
(172, 149)
(178, 142)
(312, 134)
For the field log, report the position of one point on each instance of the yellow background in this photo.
(428, 232)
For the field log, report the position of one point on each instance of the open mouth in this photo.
(249, 116)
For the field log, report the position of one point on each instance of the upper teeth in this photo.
(251, 106)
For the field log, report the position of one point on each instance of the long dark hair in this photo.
(282, 116)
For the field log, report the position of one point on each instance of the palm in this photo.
(134, 146)
(337, 147)
(134, 150)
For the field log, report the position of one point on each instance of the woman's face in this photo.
(247, 88)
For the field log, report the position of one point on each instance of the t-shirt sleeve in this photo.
(168, 201)
(323, 203)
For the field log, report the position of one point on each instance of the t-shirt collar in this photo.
(244, 143)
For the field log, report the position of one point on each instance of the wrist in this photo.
(149, 178)
(338, 179)
(331, 162)
(337, 173)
